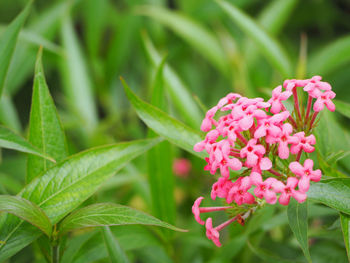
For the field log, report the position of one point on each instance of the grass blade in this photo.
(191, 31)
(268, 46)
(115, 252)
(8, 43)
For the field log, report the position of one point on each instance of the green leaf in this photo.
(330, 57)
(334, 193)
(109, 214)
(164, 125)
(345, 225)
(342, 107)
(268, 46)
(45, 129)
(276, 15)
(10, 140)
(201, 39)
(27, 211)
(115, 252)
(77, 84)
(8, 42)
(298, 222)
(178, 91)
(66, 185)
(9, 114)
(161, 177)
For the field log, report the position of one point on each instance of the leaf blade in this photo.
(116, 253)
(297, 218)
(270, 48)
(45, 129)
(8, 43)
(345, 225)
(66, 185)
(164, 125)
(27, 211)
(109, 214)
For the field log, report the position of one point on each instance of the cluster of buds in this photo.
(265, 142)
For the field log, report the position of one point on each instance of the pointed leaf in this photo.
(109, 214)
(27, 211)
(8, 42)
(178, 91)
(297, 217)
(10, 140)
(66, 185)
(342, 107)
(115, 252)
(166, 126)
(201, 39)
(345, 225)
(160, 175)
(334, 193)
(77, 83)
(268, 46)
(45, 129)
(330, 57)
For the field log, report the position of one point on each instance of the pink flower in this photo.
(196, 210)
(181, 167)
(305, 173)
(248, 116)
(252, 151)
(263, 189)
(284, 140)
(271, 126)
(213, 232)
(208, 121)
(277, 97)
(221, 188)
(315, 85)
(303, 143)
(287, 191)
(238, 192)
(325, 98)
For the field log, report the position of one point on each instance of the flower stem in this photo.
(225, 224)
(296, 103)
(275, 172)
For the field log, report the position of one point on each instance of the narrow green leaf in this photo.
(268, 46)
(159, 159)
(115, 252)
(276, 15)
(342, 107)
(66, 185)
(334, 193)
(164, 125)
(10, 140)
(45, 129)
(201, 39)
(109, 214)
(178, 91)
(27, 211)
(345, 225)
(9, 114)
(8, 42)
(77, 84)
(330, 57)
(297, 218)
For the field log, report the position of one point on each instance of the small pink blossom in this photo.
(253, 152)
(277, 97)
(303, 143)
(263, 189)
(181, 167)
(287, 191)
(238, 192)
(305, 173)
(284, 140)
(325, 99)
(212, 233)
(221, 188)
(271, 126)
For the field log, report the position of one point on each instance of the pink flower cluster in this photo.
(263, 144)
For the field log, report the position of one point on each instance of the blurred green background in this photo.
(89, 44)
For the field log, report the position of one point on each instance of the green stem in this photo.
(55, 255)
